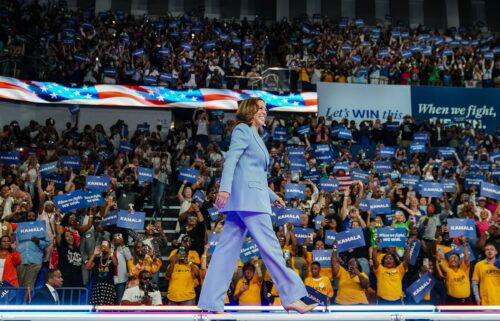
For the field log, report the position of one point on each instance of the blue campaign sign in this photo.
(131, 221)
(27, 230)
(93, 198)
(473, 180)
(125, 147)
(364, 205)
(447, 152)
(323, 156)
(288, 215)
(360, 175)
(317, 221)
(9, 158)
(419, 289)
(330, 237)
(110, 219)
(449, 185)
(214, 213)
(431, 189)
(410, 180)
(297, 164)
(70, 201)
(314, 296)
(392, 237)
(199, 197)
(302, 234)
(462, 226)
(344, 133)
(144, 175)
(490, 190)
(495, 156)
(294, 190)
(322, 148)
(421, 137)
(213, 240)
(414, 251)
(341, 166)
(350, 239)
(48, 168)
(417, 147)
(304, 130)
(480, 105)
(59, 181)
(188, 174)
(387, 152)
(97, 183)
(248, 250)
(280, 134)
(296, 152)
(328, 184)
(70, 161)
(323, 257)
(382, 167)
(380, 206)
(459, 249)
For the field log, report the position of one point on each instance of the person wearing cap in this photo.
(480, 206)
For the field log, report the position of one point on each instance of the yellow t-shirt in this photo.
(446, 249)
(182, 284)
(252, 295)
(350, 290)
(390, 282)
(458, 283)
(323, 285)
(488, 277)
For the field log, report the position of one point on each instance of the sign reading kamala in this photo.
(48, 168)
(144, 175)
(380, 206)
(479, 106)
(27, 230)
(324, 257)
(462, 226)
(350, 239)
(329, 184)
(362, 102)
(248, 250)
(188, 174)
(296, 152)
(97, 183)
(392, 237)
(302, 234)
(124, 219)
(286, 215)
(360, 175)
(414, 251)
(419, 289)
(294, 190)
(490, 190)
(9, 158)
(213, 240)
(431, 189)
(297, 163)
(70, 161)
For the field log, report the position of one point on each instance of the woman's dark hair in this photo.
(10, 240)
(246, 111)
(65, 219)
(394, 257)
(248, 266)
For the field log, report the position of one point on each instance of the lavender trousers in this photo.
(220, 270)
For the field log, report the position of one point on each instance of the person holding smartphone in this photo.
(183, 275)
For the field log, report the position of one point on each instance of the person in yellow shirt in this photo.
(248, 288)
(352, 283)
(183, 275)
(456, 275)
(389, 274)
(486, 278)
(142, 259)
(320, 283)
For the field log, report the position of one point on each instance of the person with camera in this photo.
(145, 293)
(248, 288)
(142, 259)
(183, 274)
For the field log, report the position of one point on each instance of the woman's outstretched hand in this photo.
(221, 199)
(279, 202)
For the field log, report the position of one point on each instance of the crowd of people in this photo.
(80, 47)
(81, 248)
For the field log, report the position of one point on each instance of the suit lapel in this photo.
(260, 142)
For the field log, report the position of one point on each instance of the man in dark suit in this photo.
(47, 295)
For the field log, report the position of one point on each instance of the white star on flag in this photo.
(183, 96)
(43, 88)
(53, 95)
(88, 96)
(160, 98)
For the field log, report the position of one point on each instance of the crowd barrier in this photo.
(250, 313)
(20, 296)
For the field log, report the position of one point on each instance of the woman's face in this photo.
(259, 118)
(68, 236)
(454, 260)
(389, 261)
(319, 245)
(5, 243)
(138, 248)
(188, 192)
(351, 264)
(484, 215)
